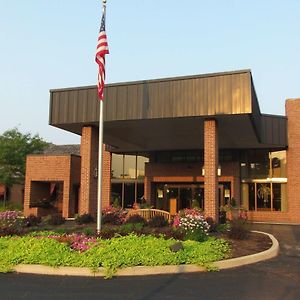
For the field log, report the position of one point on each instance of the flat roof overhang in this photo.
(169, 114)
(234, 132)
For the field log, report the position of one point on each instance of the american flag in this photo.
(102, 49)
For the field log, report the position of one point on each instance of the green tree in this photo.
(14, 146)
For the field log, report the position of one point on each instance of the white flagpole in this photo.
(99, 194)
(100, 157)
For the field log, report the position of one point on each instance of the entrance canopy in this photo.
(168, 114)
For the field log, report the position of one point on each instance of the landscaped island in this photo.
(123, 242)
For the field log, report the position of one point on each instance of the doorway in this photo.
(174, 197)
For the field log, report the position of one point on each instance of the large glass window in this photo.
(278, 163)
(261, 164)
(264, 180)
(127, 186)
(265, 196)
(117, 161)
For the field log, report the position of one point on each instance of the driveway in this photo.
(278, 278)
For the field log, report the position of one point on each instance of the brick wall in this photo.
(293, 161)
(211, 160)
(49, 168)
(89, 163)
(292, 215)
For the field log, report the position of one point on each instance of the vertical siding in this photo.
(178, 97)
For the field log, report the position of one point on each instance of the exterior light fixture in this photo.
(95, 173)
(219, 171)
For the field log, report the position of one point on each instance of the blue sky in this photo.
(49, 44)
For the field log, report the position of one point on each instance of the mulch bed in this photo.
(255, 243)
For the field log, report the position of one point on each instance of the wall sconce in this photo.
(95, 173)
(219, 171)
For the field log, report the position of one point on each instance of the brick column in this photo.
(211, 160)
(292, 107)
(89, 182)
(106, 174)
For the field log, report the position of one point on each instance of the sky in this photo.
(47, 44)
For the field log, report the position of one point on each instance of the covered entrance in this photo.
(174, 197)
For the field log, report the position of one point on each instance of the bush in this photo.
(131, 227)
(84, 219)
(113, 215)
(11, 223)
(32, 220)
(192, 223)
(136, 219)
(158, 221)
(56, 219)
(239, 229)
(212, 224)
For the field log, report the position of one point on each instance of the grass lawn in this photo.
(118, 252)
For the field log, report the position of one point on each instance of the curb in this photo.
(156, 270)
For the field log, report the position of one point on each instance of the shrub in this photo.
(32, 220)
(84, 219)
(136, 219)
(212, 224)
(56, 219)
(192, 223)
(131, 227)
(239, 229)
(11, 223)
(113, 215)
(158, 221)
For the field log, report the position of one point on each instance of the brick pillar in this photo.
(106, 174)
(292, 107)
(211, 160)
(89, 182)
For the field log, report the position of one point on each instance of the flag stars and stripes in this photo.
(102, 50)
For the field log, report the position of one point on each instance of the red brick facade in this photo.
(89, 165)
(211, 161)
(43, 169)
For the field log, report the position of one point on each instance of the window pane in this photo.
(251, 196)
(263, 196)
(116, 194)
(278, 159)
(255, 164)
(130, 167)
(129, 195)
(279, 197)
(141, 166)
(140, 192)
(199, 197)
(117, 166)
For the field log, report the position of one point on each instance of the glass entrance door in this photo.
(175, 197)
(184, 196)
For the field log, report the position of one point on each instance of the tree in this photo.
(14, 146)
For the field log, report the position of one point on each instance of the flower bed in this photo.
(53, 250)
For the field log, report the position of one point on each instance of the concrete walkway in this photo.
(287, 235)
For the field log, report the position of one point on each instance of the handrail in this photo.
(149, 213)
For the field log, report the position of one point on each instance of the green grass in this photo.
(118, 252)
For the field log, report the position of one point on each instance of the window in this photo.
(260, 164)
(127, 186)
(265, 196)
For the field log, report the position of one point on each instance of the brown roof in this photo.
(62, 149)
